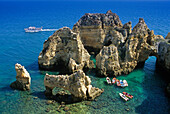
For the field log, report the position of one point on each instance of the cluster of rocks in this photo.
(118, 49)
(23, 81)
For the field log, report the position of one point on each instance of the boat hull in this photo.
(128, 95)
(123, 97)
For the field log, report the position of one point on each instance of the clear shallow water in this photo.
(145, 84)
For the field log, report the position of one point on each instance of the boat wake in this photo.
(34, 29)
(49, 29)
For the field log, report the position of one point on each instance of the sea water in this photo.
(145, 84)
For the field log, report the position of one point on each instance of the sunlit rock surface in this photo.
(23, 81)
(64, 49)
(78, 84)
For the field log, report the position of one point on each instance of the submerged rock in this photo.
(23, 81)
(78, 84)
(64, 49)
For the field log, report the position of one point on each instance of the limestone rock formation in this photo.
(23, 81)
(120, 49)
(64, 48)
(108, 61)
(168, 36)
(163, 59)
(127, 49)
(78, 84)
(93, 28)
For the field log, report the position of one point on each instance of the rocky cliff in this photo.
(78, 84)
(168, 36)
(163, 59)
(132, 48)
(23, 81)
(64, 48)
(118, 47)
(93, 28)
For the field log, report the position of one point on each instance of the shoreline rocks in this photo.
(23, 81)
(78, 84)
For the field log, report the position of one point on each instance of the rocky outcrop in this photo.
(163, 59)
(168, 36)
(108, 61)
(120, 49)
(23, 81)
(93, 28)
(78, 84)
(64, 48)
(125, 51)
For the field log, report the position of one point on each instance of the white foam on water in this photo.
(49, 29)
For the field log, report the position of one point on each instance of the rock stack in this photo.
(23, 81)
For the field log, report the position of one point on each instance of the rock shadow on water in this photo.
(33, 66)
(6, 88)
(39, 94)
(151, 106)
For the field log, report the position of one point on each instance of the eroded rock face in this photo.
(78, 84)
(93, 28)
(64, 48)
(23, 81)
(163, 59)
(127, 49)
(107, 61)
(120, 49)
(168, 36)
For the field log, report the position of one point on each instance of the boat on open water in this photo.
(33, 29)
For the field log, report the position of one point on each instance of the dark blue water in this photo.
(147, 86)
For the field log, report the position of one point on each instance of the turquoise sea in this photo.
(145, 84)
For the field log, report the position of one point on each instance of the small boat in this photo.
(125, 83)
(33, 29)
(128, 95)
(113, 80)
(121, 83)
(118, 83)
(108, 80)
(123, 97)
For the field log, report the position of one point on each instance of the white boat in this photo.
(125, 83)
(123, 97)
(108, 80)
(33, 29)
